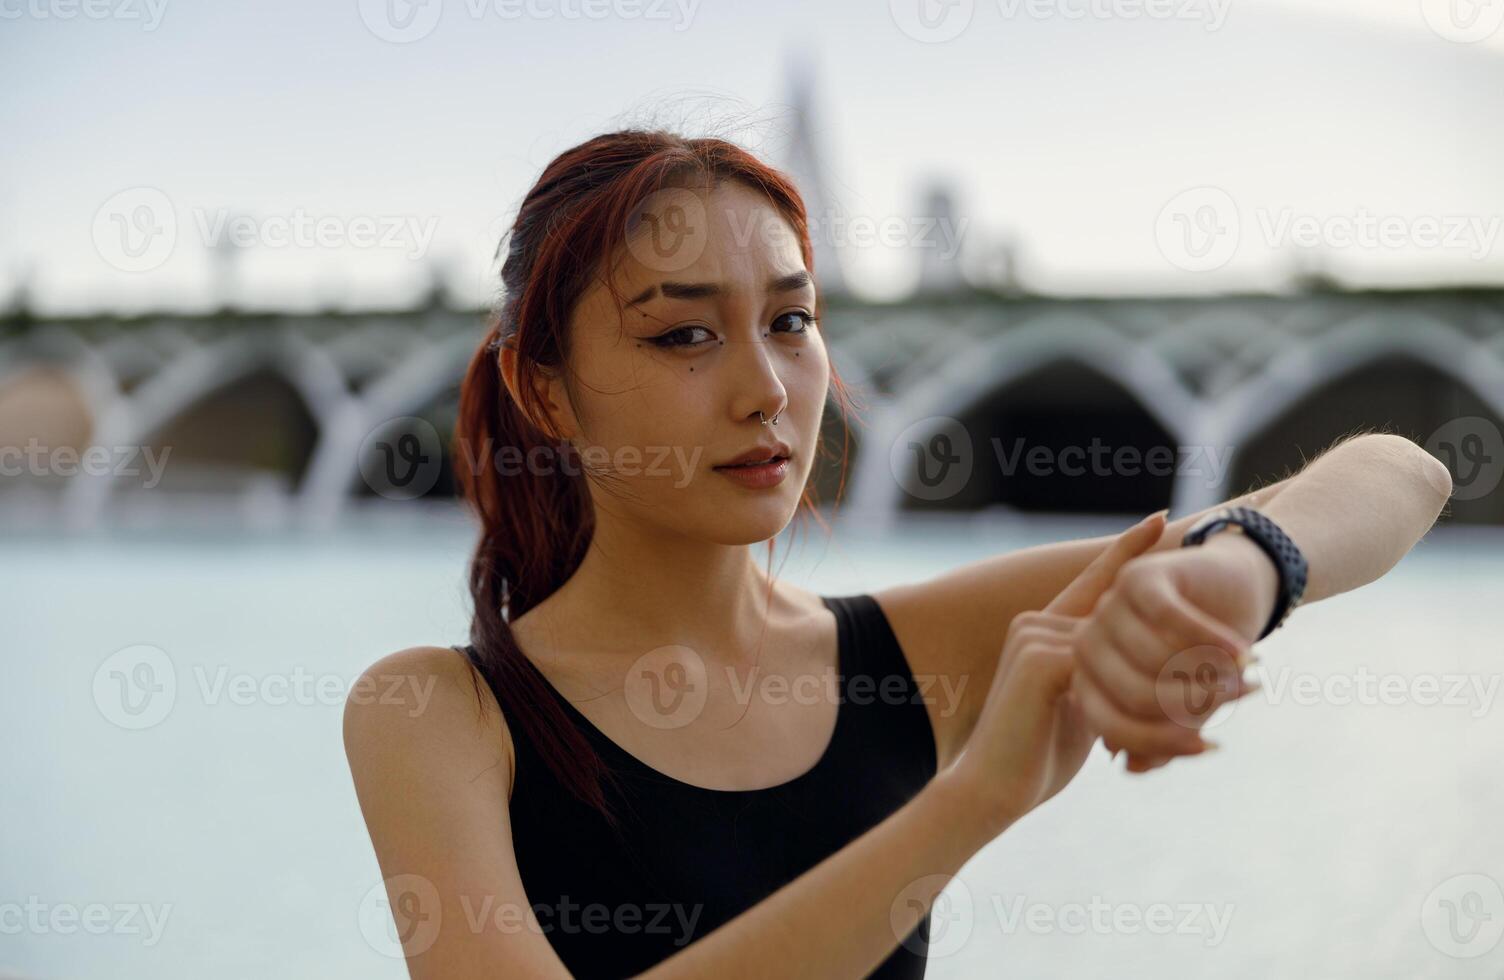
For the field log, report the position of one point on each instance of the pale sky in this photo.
(1092, 133)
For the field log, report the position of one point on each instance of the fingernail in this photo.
(1207, 745)
(1249, 688)
(1246, 660)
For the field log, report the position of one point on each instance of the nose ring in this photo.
(772, 421)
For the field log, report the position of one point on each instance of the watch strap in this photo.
(1287, 557)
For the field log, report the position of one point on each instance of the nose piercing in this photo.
(772, 421)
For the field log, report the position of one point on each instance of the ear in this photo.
(561, 422)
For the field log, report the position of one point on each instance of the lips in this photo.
(758, 455)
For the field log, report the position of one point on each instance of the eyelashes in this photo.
(676, 337)
(681, 337)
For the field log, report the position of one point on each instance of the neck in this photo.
(648, 588)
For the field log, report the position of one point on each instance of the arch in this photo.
(371, 348)
(132, 357)
(415, 382)
(882, 345)
(1378, 339)
(992, 365)
(133, 420)
(933, 343)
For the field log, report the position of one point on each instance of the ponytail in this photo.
(534, 532)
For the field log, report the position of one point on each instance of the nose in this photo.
(760, 392)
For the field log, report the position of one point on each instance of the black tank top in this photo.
(686, 858)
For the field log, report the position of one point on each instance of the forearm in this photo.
(1357, 509)
(1354, 512)
(844, 916)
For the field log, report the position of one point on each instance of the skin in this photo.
(745, 350)
(1047, 648)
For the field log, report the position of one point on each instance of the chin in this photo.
(750, 521)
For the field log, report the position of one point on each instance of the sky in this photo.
(284, 155)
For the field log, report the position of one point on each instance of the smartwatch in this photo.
(1277, 545)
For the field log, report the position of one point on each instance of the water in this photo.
(1315, 836)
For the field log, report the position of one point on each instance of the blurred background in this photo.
(1082, 259)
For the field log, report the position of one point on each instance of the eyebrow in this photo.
(702, 290)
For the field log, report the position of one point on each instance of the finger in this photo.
(1078, 598)
(1125, 629)
(1177, 620)
(1034, 626)
(1134, 734)
(1150, 696)
(1042, 678)
(1139, 763)
(1047, 669)
(1040, 619)
(1142, 763)
(1128, 689)
(1120, 651)
(1128, 734)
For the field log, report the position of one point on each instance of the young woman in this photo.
(657, 758)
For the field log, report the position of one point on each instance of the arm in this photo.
(443, 861)
(1355, 510)
(406, 756)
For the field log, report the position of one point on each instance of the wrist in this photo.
(1262, 575)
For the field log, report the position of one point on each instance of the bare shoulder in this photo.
(432, 775)
(425, 706)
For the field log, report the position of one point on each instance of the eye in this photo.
(680, 337)
(797, 315)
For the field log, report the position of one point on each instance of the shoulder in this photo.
(421, 707)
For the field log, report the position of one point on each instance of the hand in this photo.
(1165, 646)
(1032, 736)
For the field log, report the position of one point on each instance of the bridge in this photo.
(968, 401)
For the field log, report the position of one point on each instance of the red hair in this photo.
(536, 527)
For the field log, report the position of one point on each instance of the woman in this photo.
(619, 775)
